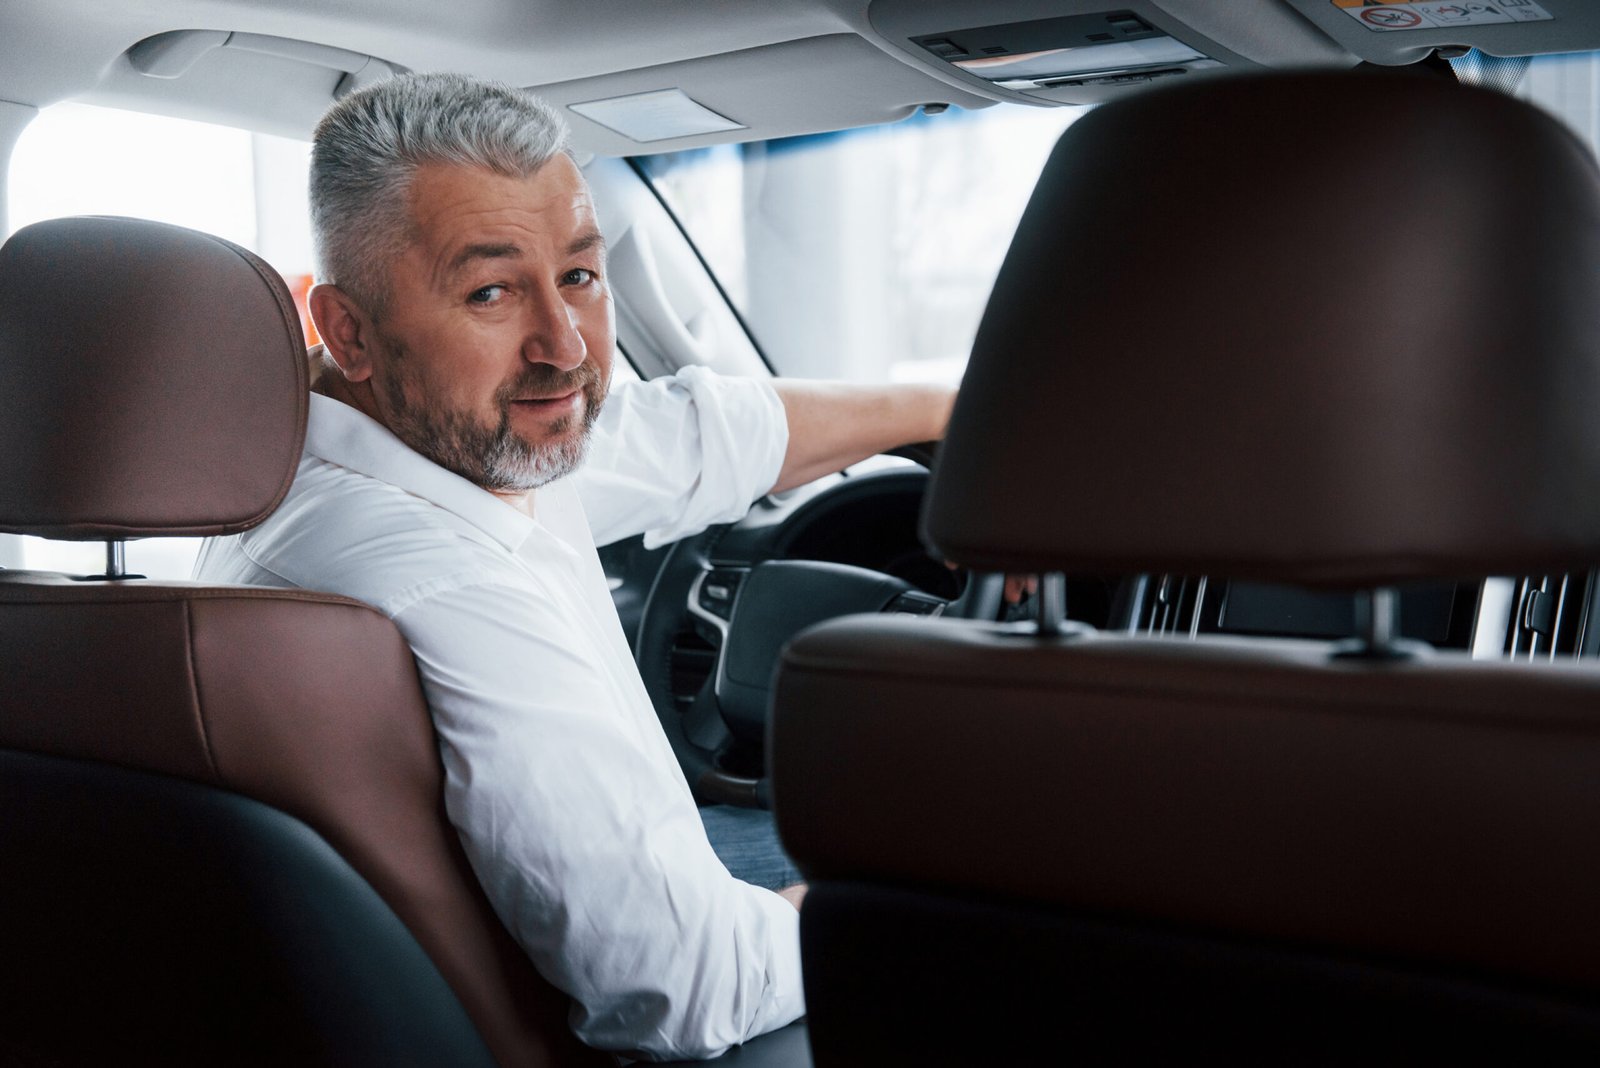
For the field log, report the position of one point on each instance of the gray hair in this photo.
(369, 145)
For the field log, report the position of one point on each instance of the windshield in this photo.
(866, 254)
(869, 254)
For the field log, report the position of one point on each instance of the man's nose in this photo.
(553, 336)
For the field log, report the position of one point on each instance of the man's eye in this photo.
(578, 276)
(487, 295)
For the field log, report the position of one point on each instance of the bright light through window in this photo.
(867, 254)
(77, 160)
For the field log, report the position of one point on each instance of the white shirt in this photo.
(566, 794)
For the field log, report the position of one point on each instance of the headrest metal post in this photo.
(1052, 603)
(1378, 615)
(116, 559)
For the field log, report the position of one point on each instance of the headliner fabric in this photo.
(1334, 329)
(152, 381)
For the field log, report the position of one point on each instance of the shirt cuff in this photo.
(744, 435)
(786, 1000)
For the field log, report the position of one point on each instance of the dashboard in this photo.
(870, 519)
(851, 543)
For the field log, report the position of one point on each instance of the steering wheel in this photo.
(752, 609)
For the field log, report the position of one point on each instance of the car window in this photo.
(869, 254)
(866, 254)
(248, 188)
(1567, 86)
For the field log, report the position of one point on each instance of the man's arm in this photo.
(671, 456)
(834, 424)
(582, 831)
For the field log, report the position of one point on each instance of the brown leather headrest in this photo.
(152, 381)
(1321, 328)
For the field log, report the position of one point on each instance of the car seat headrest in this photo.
(152, 381)
(1325, 328)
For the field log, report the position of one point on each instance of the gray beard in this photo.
(509, 463)
(496, 458)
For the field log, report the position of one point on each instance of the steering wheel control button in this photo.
(719, 590)
(916, 604)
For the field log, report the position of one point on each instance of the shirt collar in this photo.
(341, 435)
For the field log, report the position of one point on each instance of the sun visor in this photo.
(828, 82)
(1405, 31)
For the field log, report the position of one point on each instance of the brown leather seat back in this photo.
(1254, 328)
(183, 412)
(1117, 848)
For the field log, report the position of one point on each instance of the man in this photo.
(469, 339)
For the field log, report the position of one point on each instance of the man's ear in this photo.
(345, 330)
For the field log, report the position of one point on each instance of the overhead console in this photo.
(1395, 32)
(1084, 51)
(1033, 58)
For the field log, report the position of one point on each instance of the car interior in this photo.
(1282, 385)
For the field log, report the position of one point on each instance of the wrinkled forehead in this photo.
(450, 205)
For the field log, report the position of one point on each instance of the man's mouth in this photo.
(550, 405)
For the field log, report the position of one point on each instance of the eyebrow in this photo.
(482, 252)
(472, 253)
(587, 241)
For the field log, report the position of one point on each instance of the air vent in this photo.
(1171, 605)
(1179, 606)
(1549, 617)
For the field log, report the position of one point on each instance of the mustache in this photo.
(541, 379)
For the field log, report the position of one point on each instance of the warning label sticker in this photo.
(1386, 16)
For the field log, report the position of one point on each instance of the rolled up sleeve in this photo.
(672, 456)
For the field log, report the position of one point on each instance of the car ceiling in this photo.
(775, 68)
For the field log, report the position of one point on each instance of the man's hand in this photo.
(1017, 586)
(1020, 586)
(834, 424)
(793, 894)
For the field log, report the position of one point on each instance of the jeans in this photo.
(746, 842)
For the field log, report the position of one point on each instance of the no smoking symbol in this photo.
(1391, 19)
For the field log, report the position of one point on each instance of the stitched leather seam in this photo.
(194, 691)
